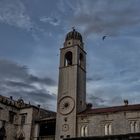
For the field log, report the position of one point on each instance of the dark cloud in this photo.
(41, 96)
(16, 81)
(44, 98)
(9, 69)
(94, 78)
(110, 17)
(113, 70)
(18, 84)
(116, 100)
(96, 101)
(47, 81)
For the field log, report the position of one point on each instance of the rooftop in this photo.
(113, 109)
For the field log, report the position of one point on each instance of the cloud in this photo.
(94, 78)
(108, 17)
(9, 69)
(14, 13)
(96, 101)
(51, 20)
(18, 84)
(15, 80)
(113, 92)
(47, 81)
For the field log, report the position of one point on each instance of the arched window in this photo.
(134, 127)
(68, 59)
(131, 127)
(108, 129)
(81, 60)
(84, 131)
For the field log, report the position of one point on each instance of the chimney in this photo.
(38, 106)
(11, 97)
(125, 102)
(89, 105)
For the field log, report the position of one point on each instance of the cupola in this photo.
(73, 35)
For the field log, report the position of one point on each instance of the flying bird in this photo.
(103, 38)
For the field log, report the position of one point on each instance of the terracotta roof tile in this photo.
(111, 109)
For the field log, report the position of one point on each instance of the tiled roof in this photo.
(113, 109)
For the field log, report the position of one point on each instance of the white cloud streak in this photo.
(14, 13)
(50, 20)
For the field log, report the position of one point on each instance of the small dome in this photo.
(73, 35)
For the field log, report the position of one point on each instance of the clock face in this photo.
(66, 105)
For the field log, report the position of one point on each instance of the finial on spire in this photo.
(73, 28)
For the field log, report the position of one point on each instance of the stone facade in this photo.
(20, 120)
(71, 89)
(111, 121)
(104, 121)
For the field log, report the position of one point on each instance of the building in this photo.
(21, 121)
(74, 119)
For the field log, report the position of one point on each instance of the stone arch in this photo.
(68, 59)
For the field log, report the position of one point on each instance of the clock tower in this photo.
(72, 85)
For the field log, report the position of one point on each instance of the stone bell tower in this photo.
(72, 85)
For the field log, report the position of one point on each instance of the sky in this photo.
(33, 31)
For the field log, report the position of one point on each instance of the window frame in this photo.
(134, 127)
(23, 121)
(12, 117)
(84, 130)
(108, 129)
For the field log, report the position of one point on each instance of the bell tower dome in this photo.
(73, 35)
(72, 85)
(73, 38)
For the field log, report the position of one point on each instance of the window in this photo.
(47, 129)
(134, 127)
(65, 119)
(84, 130)
(23, 118)
(81, 60)
(11, 116)
(68, 136)
(0, 124)
(108, 129)
(61, 136)
(0, 111)
(68, 59)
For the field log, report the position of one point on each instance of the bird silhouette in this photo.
(103, 38)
